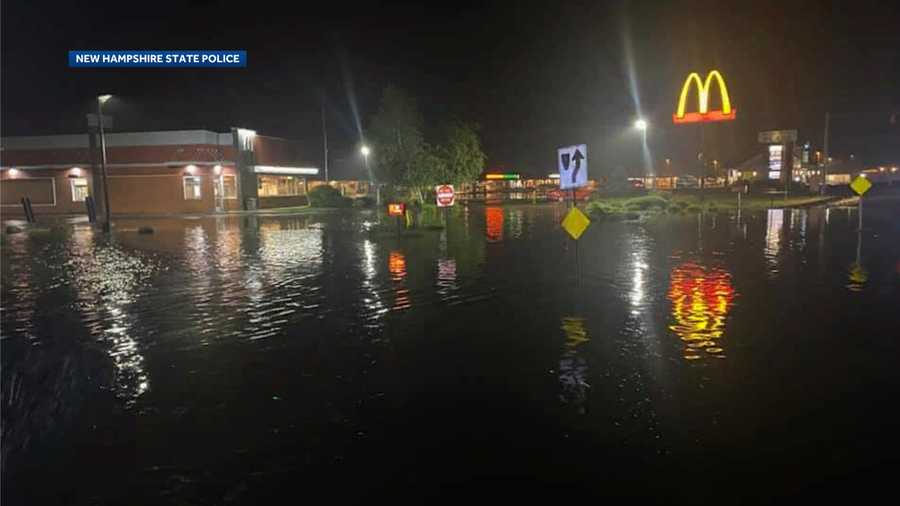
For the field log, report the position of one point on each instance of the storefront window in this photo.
(79, 189)
(192, 188)
(229, 185)
(280, 186)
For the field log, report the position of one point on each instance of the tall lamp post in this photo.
(641, 126)
(365, 152)
(101, 99)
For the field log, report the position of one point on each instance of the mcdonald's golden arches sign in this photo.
(704, 113)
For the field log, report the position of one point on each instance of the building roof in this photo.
(114, 139)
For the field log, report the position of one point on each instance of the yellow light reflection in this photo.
(701, 298)
(858, 275)
(573, 368)
(397, 269)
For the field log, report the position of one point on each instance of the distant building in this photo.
(162, 172)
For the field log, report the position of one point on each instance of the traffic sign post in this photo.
(573, 173)
(445, 197)
(397, 210)
(860, 185)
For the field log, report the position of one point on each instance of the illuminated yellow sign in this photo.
(575, 223)
(703, 113)
(860, 185)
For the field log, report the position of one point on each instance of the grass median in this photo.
(632, 207)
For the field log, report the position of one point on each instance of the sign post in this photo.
(397, 210)
(573, 173)
(860, 185)
(704, 113)
(445, 197)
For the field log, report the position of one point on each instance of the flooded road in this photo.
(687, 359)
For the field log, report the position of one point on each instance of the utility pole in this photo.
(825, 152)
(107, 225)
(324, 140)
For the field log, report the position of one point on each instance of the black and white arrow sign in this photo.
(573, 167)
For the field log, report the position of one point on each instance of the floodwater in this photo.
(264, 359)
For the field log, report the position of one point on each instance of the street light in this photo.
(365, 152)
(641, 126)
(101, 99)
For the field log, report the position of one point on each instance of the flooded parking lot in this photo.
(236, 359)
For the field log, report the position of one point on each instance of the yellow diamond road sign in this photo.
(575, 223)
(860, 185)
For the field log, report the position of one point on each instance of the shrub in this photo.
(647, 202)
(600, 209)
(326, 196)
(367, 202)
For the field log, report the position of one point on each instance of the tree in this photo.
(403, 157)
(461, 153)
(426, 171)
(396, 136)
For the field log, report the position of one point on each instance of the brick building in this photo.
(179, 171)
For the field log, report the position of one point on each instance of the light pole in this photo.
(641, 126)
(365, 152)
(101, 99)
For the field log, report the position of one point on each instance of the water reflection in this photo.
(857, 274)
(494, 223)
(371, 296)
(516, 218)
(774, 229)
(397, 269)
(573, 368)
(701, 299)
(107, 281)
(446, 278)
(20, 286)
(278, 276)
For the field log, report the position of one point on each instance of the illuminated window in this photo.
(192, 188)
(79, 189)
(229, 185)
(280, 186)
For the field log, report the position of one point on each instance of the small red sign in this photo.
(445, 195)
(396, 208)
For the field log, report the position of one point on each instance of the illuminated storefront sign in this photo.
(775, 161)
(506, 176)
(726, 113)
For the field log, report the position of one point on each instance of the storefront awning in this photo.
(287, 171)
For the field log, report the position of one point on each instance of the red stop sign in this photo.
(445, 195)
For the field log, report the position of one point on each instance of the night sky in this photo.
(534, 75)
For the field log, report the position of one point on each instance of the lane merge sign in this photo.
(445, 195)
(573, 166)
